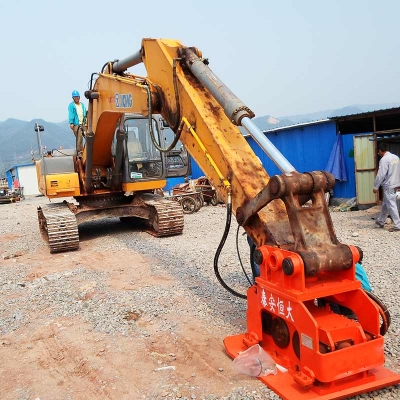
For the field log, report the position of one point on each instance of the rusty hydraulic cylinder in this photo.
(234, 108)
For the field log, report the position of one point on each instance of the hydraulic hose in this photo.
(240, 258)
(383, 311)
(150, 119)
(220, 247)
(254, 268)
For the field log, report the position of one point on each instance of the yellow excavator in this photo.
(127, 174)
(303, 269)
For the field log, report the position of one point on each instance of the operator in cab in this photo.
(77, 120)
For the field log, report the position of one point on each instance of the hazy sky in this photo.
(279, 57)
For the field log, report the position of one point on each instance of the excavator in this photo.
(132, 192)
(303, 268)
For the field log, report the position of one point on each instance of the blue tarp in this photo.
(336, 165)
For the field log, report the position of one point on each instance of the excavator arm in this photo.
(218, 146)
(303, 267)
(183, 89)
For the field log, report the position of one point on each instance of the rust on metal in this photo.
(163, 217)
(312, 232)
(81, 174)
(214, 109)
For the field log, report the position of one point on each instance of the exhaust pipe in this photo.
(116, 176)
(89, 161)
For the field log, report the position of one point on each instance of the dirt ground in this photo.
(66, 358)
(176, 353)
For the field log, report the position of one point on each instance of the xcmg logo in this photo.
(123, 100)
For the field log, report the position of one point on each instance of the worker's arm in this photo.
(71, 114)
(382, 172)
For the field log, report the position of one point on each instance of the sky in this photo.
(279, 57)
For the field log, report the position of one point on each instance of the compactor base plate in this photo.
(285, 386)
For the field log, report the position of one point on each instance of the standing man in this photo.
(77, 120)
(389, 178)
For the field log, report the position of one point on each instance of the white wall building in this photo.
(26, 175)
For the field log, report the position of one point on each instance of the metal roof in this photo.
(299, 125)
(20, 165)
(368, 113)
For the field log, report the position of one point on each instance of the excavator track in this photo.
(167, 218)
(59, 227)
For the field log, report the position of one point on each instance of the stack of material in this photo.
(5, 196)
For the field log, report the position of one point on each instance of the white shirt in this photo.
(79, 111)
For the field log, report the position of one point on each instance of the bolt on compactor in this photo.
(304, 269)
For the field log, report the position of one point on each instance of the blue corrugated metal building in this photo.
(308, 146)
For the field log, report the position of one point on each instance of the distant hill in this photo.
(18, 138)
(268, 122)
(346, 111)
(353, 109)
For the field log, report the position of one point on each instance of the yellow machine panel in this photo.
(62, 185)
(138, 186)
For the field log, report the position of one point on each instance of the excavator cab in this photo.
(142, 159)
(178, 160)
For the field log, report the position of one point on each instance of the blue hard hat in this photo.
(75, 93)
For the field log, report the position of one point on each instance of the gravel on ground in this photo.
(137, 293)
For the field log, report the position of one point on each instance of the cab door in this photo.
(178, 159)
